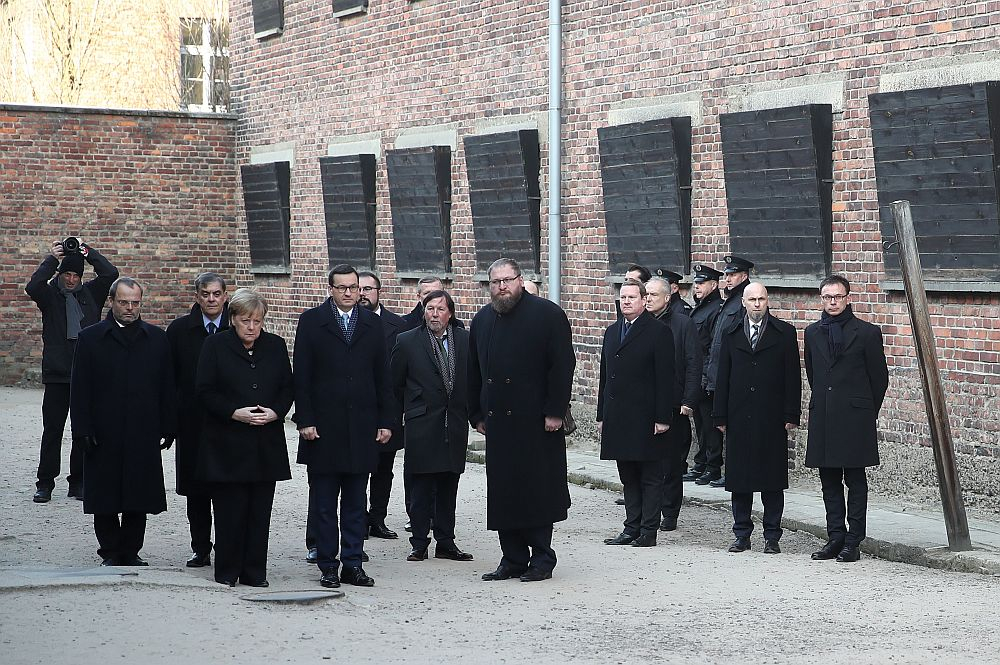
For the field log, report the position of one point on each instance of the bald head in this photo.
(755, 301)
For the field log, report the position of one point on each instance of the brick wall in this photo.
(154, 192)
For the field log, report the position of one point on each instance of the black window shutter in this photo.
(349, 7)
(266, 199)
(779, 185)
(420, 199)
(268, 17)
(937, 149)
(349, 209)
(505, 198)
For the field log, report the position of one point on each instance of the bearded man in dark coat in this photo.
(521, 364)
(209, 315)
(846, 368)
(757, 402)
(122, 408)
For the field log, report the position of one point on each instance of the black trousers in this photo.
(709, 455)
(433, 495)
(774, 505)
(55, 410)
(643, 485)
(527, 548)
(311, 521)
(199, 514)
(120, 539)
(675, 466)
(380, 487)
(242, 527)
(833, 481)
(344, 536)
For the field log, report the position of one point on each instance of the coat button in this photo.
(508, 413)
(829, 388)
(254, 386)
(489, 413)
(507, 381)
(752, 389)
(253, 365)
(489, 380)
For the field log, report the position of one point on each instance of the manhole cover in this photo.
(301, 597)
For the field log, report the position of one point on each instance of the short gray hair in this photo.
(206, 278)
(504, 261)
(247, 301)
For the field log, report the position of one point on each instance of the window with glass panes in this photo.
(204, 64)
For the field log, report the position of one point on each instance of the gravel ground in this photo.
(685, 601)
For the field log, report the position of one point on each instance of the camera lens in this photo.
(71, 244)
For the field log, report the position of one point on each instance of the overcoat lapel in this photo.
(638, 326)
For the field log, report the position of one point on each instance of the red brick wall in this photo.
(154, 192)
(408, 64)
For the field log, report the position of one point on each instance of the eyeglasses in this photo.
(344, 289)
(497, 283)
(836, 297)
(129, 303)
(369, 289)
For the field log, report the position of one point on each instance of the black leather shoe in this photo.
(364, 557)
(645, 540)
(828, 551)
(771, 547)
(355, 575)
(621, 539)
(502, 573)
(75, 492)
(260, 585)
(693, 474)
(110, 561)
(718, 482)
(668, 525)
(42, 496)
(199, 560)
(536, 575)
(620, 501)
(452, 553)
(382, 531)
(740, 545)
(706, 478)
(330, 579)
(226, 582)
(417, 554)
(133, 561)
(312, 556)
(849, 554)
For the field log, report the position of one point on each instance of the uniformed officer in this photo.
(708, 305)
(674, 280)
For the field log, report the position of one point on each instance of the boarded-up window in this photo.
(349, 7)
(937, 149)
(268, 17)
(349, 209)
(779, 185)
(504, 197)
(266, 198)
(646, 176)
(420, 199)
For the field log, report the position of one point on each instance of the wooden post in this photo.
(949, 485)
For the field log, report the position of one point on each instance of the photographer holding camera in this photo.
(67, 305)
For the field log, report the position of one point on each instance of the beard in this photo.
(504, 303)
(756, 317)
(367, 304)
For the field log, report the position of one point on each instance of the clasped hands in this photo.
(255, 415)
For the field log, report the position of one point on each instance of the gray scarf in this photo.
(74, 315)
(445, 362)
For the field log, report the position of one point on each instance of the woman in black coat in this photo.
(245, 385)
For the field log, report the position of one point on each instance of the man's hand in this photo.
(57, 250)
(790, 426)
(166, 442)
(383, 435)
(308, 433)
(659, 428)
(686, 410)
(481, 427)
(721, 428)
(600, 427)
(553, 424)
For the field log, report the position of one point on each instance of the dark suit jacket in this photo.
(688, 357)
(636, 389)
(342, 389)
(431, 447)
(847, 393)
(392, 326)
(229, 379)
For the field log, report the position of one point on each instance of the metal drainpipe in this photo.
(555, 149)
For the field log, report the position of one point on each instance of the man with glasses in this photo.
(521, 365)
(122, 408)
(343, 410)
(847, 372)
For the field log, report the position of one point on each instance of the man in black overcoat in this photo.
(343, 410)
(708, 306)
(731, 316)
(636, 400)
(122, 406)
(429, 370)
(186, 334)
(846, 368)
(757, 402)
(687, 389)
(521, 364)
(67, 305)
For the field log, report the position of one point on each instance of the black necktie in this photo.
(212, 327)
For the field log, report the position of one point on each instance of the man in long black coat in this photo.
(521, 364)
(708, 306)
(56, 299)
(687, 388)
(429, 370)
(343, 410)
(846, 368)
(122, 405)
(636, 400)
(757, 402)
(186, 334)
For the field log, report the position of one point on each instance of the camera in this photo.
(71, 245)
